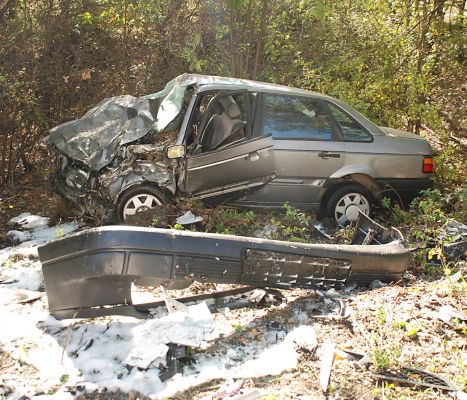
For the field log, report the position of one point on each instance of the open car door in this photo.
(227, 159)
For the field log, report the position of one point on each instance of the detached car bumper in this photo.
(95, 268)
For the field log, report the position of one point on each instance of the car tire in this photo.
(344, 203)
(138, 198)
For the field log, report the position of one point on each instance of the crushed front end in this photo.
(119, 143)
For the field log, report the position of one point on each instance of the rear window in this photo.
(351, 130)
(288, 117)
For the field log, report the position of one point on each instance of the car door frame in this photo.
(247, 151)
(312, 188)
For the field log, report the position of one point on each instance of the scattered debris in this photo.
(448, 315)
(29, 221)
(229, 388)
(7, 281)
(267, 232)
(174, 305)
(376, 284)
(245, 344)
(455, 231)
(341, 314)
(35, 229)
(27, 296)
(350, 288)
(188, 218)
(327, 360)
(172, 364)
(184, 326)
(320, 228)
(455, 251)
(416, 377)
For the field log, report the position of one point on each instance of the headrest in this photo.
(233, 111)
(230, 106)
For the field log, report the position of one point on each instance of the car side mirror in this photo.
(176, 151)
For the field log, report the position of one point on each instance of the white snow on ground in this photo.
(101, 353)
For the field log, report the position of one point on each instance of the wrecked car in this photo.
(239, 142)
(90, 274)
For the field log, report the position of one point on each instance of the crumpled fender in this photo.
(138, 172)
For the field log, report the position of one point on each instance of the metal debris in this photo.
(7, 281)
(173, 364)
(342, 313)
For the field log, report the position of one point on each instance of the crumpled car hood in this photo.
(95, 138)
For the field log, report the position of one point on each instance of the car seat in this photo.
(221, 126)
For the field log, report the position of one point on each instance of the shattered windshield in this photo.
(95, 138)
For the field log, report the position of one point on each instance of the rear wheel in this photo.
(137, 199)
(347, 201)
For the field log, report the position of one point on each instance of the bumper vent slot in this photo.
(208, 269)
(264, 268)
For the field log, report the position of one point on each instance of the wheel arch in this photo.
(355, 178)
(162, 181)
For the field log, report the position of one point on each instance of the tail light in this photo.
(427, 164)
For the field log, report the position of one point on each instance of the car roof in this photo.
(212, 82)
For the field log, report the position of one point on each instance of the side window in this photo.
(351, 129)
(223, 121)
(289, 117)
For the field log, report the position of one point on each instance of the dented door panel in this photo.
(238, 166)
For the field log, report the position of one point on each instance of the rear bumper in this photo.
(96, 267)
(404, 190)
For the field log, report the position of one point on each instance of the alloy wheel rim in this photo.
(348, 207)
(138, 203)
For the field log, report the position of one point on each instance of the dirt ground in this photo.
(394, 326)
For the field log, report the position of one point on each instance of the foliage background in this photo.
(401, 62)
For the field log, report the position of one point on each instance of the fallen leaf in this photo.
(86, 74)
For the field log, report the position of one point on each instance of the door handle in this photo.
(326, 155)
(254, 156)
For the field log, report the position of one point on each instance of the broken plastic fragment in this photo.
(319, 227)
(326, 365)
(447, 314)
(188, 218)
(377, 284)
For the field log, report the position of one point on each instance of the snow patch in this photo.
(119, 353)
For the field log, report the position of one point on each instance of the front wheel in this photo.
(347, 201)
(137, 199)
